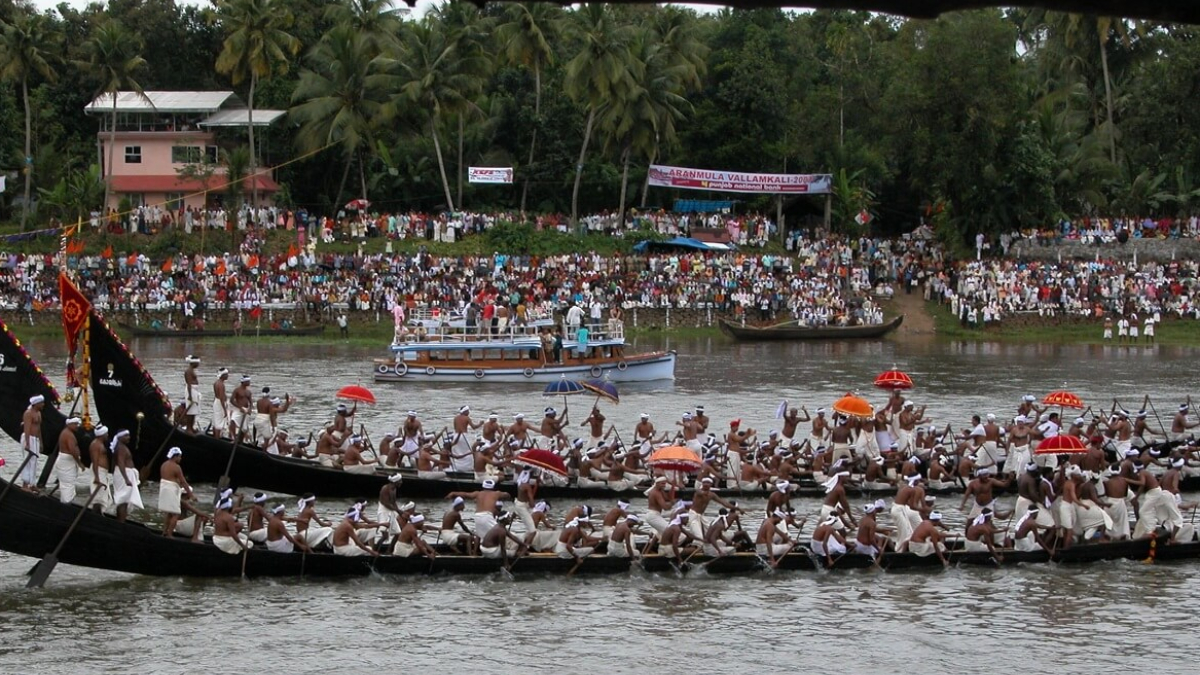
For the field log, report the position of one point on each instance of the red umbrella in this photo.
(1061, 444)
(353, 392)
(853, 406)
(541, 459)
(675, 458)
(894, 379)
(1063, 399)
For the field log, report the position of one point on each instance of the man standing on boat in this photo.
(172, 489)
(487, 502)
(574, 319)
(192, 396)
(220, 412)
(701, 419)
(68, 464)
(98, 451)
(240, 401)
(519, 430)
(410, 431)
(125, 477)
(552, 428)
(462, 458)
(790, 422)
(31, 441)
(643, 435)
(595, 422)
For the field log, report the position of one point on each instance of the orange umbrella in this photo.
(894, 379)
(1061, 444)
(353, 392)
(853, 406)
(675, 458)
(1063, 399)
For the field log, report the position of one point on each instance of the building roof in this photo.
(238, 117)
(163, 102)
(168, 183)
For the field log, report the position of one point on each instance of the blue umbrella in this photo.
(563, 387)
(602, 389)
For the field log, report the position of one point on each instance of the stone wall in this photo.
(1161, 250)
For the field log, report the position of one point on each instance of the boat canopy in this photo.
(684, 243)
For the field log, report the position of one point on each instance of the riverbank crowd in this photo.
(820, 279)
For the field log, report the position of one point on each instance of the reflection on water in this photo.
(955, 621)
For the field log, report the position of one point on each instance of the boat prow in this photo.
(792, 331)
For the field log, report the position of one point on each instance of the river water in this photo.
(1037, 618)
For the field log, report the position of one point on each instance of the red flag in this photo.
(75, 308)
(108, 252)
(168, 265)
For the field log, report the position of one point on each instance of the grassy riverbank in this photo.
(1175, 332)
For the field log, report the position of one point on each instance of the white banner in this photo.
(734, 181)
(479, 174)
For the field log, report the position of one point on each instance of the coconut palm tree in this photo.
(341, 96)
(376, 21)
(600, 73)
(434, 81)
(257, 45)
(27, 48)
(113, 57)
(468, 30)
(526, 36)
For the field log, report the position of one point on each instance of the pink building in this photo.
(160, 132)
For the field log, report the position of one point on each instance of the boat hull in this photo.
(752, 333)
(639, 368)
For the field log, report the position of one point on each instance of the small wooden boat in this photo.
(447, 353)
(34, 525)
(792, 330)
(249, 331)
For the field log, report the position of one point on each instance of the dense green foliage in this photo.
(993, 120)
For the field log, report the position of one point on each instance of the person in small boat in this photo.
(341, 418)
(573, 542)
(620, 541)
(409, 541)
(346, 541)
(519, 430)
(454, 531)
(172, 489)
(125, 477)
(256, 518)
(329, 448)
(430, 465)
(552, 427)
(306, 515)
(240, 404)
(220, 412)
(1180, 424)
(488, 501)
(461, 455)
(192, 398)
(353, 460)
(928, 538)
(279, 540)
(701, 419)
(827, 540)
(791, 421)
(871, 539)
(696, 524)
(68, 463)
(981, 488)
(227, 531)
(690, 431)
(716, 543)
(499, 541)
(771, 541)
(981, 534)
(674, 538)
(595, 424)
(31, 441)
(101, 478)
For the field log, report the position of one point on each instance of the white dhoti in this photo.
(561, 551)
(1021, 508)
(1123, 446)
(258, 536)
(493, 552)
(904, 440)
(922, 549)
(388, 520)
(544, 540)
(170, 496)
(315, 536)
(484, 522)
(986, 455)
(32, 447)
(883, 441)
(902, 522)
(525, 514)
(125, 491)
(101, 479)
(403, 550)
(1157, 507)
(1065, 514)
(719, 549)
(327, 460)
(695, 525)
(655, 520)
(350, 550)
(840, 451)
(1118, 512)
(231, 545)
(186, 527)
(1018, 457)
(262, 428)
(193, 399)
(280, 545)
(618, 550)
(831, 546)
(433, 475)
(220, 419)
(66, 472)
(462, 458)
(774, 550)
(238, 419)
(1089, 518)
(695, 446)
(359, 468)
(975, 546)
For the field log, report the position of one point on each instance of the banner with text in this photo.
(734, 181)
(478, 174)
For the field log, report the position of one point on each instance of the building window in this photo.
(212, 154)
(174, 201)
(133, 154)
(137, 199)
(185, 154)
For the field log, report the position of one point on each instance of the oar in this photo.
(224, 481)
(1156, 417)
(370, 446)
(577, 564)
(42, 571)
(145, 471)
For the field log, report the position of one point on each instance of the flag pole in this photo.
(85, 372)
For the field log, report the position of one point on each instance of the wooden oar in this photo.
(224, 481)
(144, 473)
(1156, 417)
(42, 571)
(577, 564)
(370, 446)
